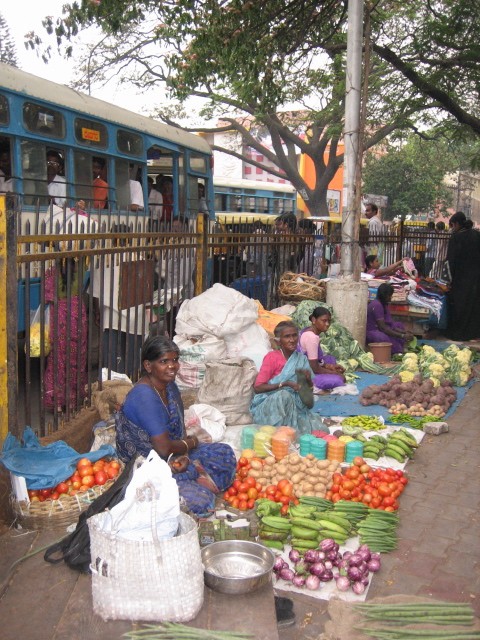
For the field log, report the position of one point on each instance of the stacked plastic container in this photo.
(336, 450)
(353, 449)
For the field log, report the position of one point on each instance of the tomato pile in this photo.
(377, 488)
(245, 490)
(85, 476)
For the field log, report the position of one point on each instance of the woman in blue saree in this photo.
(278, 398)
(152, 418)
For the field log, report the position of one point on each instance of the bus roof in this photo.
(34, 87)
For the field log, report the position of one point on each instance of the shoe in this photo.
(284, 612)
(306, 391)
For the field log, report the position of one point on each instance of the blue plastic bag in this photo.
(44, 466)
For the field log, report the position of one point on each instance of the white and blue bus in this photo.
(93, 149)
(251, 196)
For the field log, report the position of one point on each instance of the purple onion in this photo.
(374, 565)
(354, 574)
(311, 555)
(312, 583)
(375, 556)
(343, 583)
(298, 581)
(332, 554)
(355, 560)
(347, 555)
(358, 588)
(327, 575)
(329, 564)
(317, 568)
(342, 564)
(279, 564)
(294, 556)
(286, 574)
(321, 555)
(327, 544)
(363, 568)
(365, 580)
(364, 551)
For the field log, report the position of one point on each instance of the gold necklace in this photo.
(158, 393)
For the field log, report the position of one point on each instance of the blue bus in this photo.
(59, 146)
(251, 196)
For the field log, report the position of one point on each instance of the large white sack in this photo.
(200, 348)
(253, 342)
(219, 311)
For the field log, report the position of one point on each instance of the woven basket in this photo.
(295, 287)
(159, 580)
(53, 514)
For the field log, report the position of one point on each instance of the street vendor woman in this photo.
(380, 326)
(278, 394)
(328, 374)
(152, 417)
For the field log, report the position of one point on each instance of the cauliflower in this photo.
(436, 382)
(427, 349)
(410, 365)
(406, 376)
(462, 379)
(352, 363)
(436, 370)
(464, 356)
(410, 356)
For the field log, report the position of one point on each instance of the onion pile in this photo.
(327, 563)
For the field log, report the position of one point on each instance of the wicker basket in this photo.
(295, 287)
(53, 514)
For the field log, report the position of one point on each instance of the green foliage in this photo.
(412, 176)
(8, 52)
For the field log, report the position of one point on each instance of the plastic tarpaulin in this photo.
(44, 466)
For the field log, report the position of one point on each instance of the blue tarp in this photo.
(44, 466)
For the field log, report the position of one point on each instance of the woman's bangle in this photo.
(280, 385)
(187, 449)
(194, 440)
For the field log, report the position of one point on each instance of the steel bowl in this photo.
(237, 566)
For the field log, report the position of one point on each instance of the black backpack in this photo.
(74, 549)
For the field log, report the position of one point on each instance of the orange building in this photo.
(335, 187)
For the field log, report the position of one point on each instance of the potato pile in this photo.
(418, 397)
(310, 477)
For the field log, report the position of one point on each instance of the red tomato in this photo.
(234, 503)
(345, 494)
(88, 481)
(352, 472)
(82, 462)
(242, 473)
(384, 489)
(251, 504)
(236, 483)
(232, 491)
(101, 477)
(348, 485)
(404, 480)
(62, 487)
(85, 470)
(45, 493)
(258, 487)
(284, 510)
(277, 496)
(252, 493)
(335, 488)
(388, 501)
(358, 461)
(250, 482)
(115, 464)
(367, 498)
(226, 495)
(285, 487)
(243, 462)
(33, 493)
(242, 495)
(376, 502)
(111, 473)
(242, 505)
(54, 495)
(271, 490)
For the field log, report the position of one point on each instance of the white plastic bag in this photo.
(151, 500)
(253, 342)
(208, 418)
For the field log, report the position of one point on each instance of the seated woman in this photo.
(328, 374)
(372, 266)
(152, 417)
(380, 326)
(277, 400)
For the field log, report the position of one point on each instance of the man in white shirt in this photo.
(136, 193)
(57, 184)
(155, 202)
(375, 228)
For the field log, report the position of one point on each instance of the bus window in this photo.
(91, 182)
(4, 112)
(34, 169)
(129, 185)
(91, 133)
(6, 180)
(128, 142)
(197, 163)
(40, 119)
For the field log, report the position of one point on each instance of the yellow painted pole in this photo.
(201, 253)
(3, 323)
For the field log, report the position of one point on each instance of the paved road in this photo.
(439, 548)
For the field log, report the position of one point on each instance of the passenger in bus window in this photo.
(6, 180)
(136, 191)
(155, 202)
(100, 184)
(202, 201)
(165, 186)
(57, 184)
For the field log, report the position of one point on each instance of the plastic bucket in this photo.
(382, 351)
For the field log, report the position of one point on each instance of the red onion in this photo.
(365, 580)
(311, 555)
(343, 583)
(321, 555)
(354, 574)
(358, 588)
(286, 574)
(302, 567)
(317, 568)
(294, 556)
(347, 555)
(363, 568)
(332, 554)
(279, 564)
(375, 556)
(312, 583)
(374, 565)
(364, 552)
(328, 564)
(355, 560)
(327, 575)
(327, 544)
(298, 581)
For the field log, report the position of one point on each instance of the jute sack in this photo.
(228, 386)
(159, 580)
